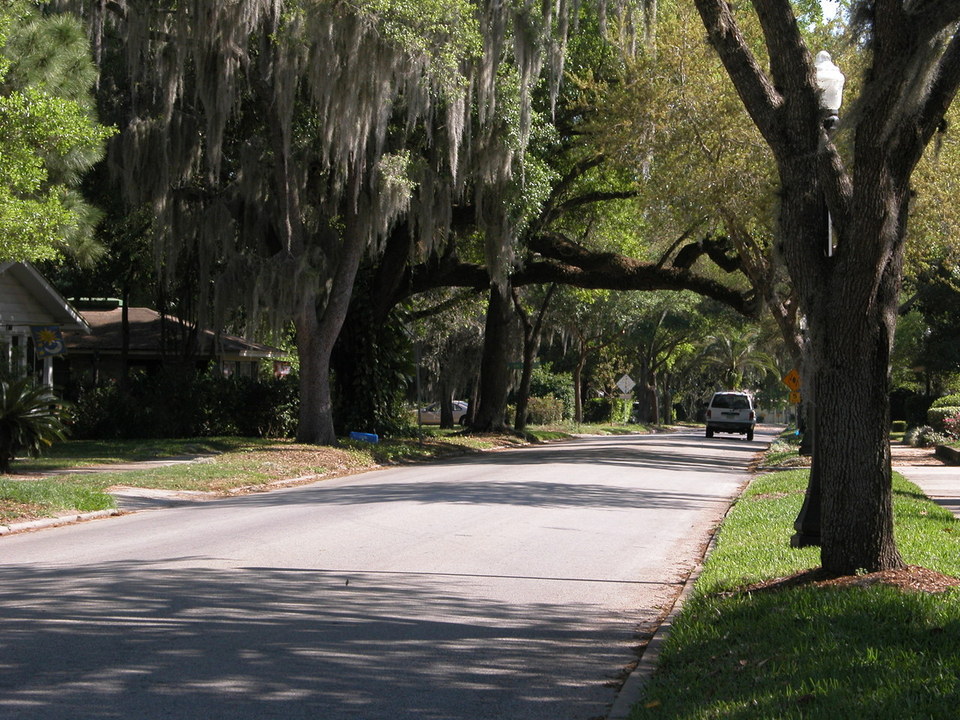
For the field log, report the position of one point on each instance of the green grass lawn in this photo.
(811, 652)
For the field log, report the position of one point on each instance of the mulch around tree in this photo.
(910, 578)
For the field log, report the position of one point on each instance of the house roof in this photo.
(148, 329)
(26, 298)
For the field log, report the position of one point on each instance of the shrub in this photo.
(896, 425)
(175, 404)
(597, 410)
(936, 416)
(601, 410)
(546, 383)
(544, 410)
(31, 417)
(951, 425)
(260, 408)
(924, 436)
(947, 401)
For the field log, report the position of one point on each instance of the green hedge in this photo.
(601, 410)
(546, 383)
(544, 410)
(947, 401)
(936, 416)
(174, 404)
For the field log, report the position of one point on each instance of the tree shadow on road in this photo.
(134, 640)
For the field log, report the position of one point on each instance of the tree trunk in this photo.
(667, 399)
(474, 402)
(494, 369)
(317, 331)
(123, 385)
(852, 456)
(7, 450)
(644, 411)
(852, 318)
(848, 295)
(649, 390)
(523, 391)
(851, 344)
(578, 381)
(531, 346)
(316, 407)
(446, 403)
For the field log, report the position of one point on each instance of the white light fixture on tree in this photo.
(830, 83)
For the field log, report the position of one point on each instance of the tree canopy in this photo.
(49, 134)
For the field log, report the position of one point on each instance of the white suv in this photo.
(731, 411)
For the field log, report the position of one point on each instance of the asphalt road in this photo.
(509, 586)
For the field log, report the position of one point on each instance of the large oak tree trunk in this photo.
(494, 368)
(851, 310)
(853, 459)
(316, 408)
(317, 329)
(851, 343)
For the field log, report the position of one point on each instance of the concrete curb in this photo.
(949, 455)
(632, 689)
(55, 521)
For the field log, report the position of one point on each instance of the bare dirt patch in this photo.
(12, 511)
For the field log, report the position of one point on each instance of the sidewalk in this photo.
(940, 483)
(921, 466)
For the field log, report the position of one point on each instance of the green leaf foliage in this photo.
(31, 418)
(47, 134)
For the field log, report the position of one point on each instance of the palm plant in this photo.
(31, 418)
(737, 358)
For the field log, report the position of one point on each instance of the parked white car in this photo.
(731, 411)
(430, 415)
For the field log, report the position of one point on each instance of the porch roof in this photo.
(26, 299)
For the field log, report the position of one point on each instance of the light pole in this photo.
(830, 84)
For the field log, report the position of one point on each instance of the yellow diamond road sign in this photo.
(792, 380)
(794, 397)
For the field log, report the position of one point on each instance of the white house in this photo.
(32, 317)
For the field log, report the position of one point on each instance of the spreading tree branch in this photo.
(760, 98)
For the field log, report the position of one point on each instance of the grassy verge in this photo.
(811, 652)
(27, 500)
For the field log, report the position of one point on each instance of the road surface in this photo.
(509, 586)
